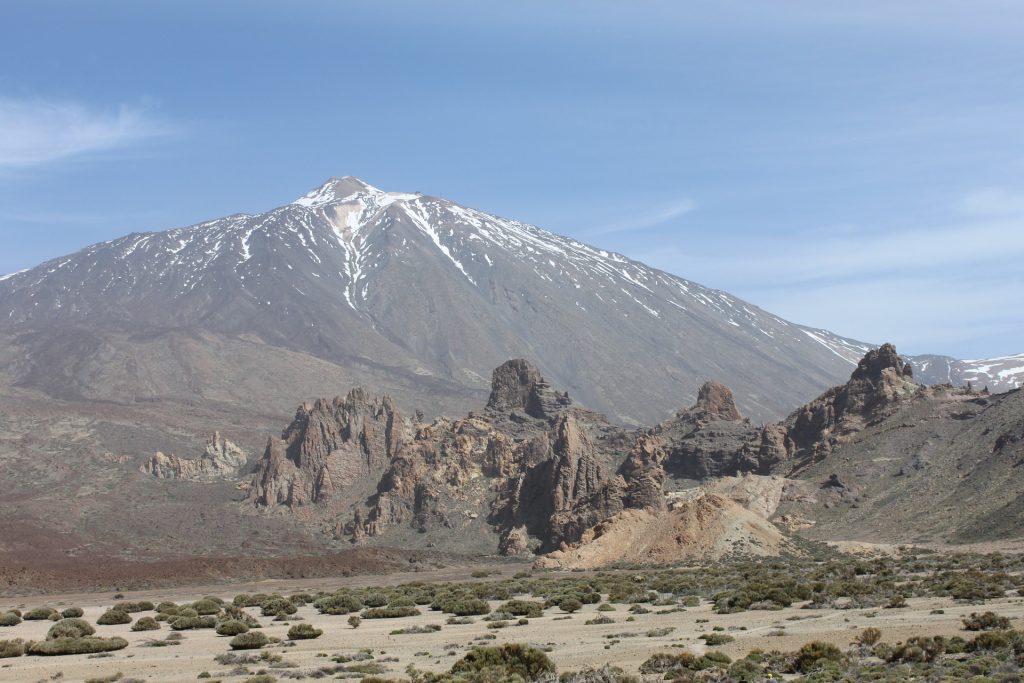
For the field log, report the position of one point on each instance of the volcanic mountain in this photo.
(408, 293)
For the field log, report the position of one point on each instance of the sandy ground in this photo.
(573, 644)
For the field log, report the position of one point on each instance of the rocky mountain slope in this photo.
(413, 294)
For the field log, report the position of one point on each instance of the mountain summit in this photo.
(418, 295)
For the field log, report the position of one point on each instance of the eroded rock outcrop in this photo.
(329, 445)
(880, 381)
(220, 460)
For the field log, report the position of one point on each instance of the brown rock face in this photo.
(517, 385)
(878, 383)
(220, 460)
(328, 445)
(716, 402)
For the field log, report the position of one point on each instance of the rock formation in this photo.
(329, 445)
(220, 460)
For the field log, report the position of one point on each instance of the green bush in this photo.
(303, 632)
(167, 607)
(146, 624)
(9, 619)
(277, 605)
(206, 607)
(139, 606)
(189, 623)
(523, 608)
(810, 656)
(72, 612)
(232, 627)
(375, 600)
(504, 662)
(75, 646)
(715, 639)
(252, 640)
(338, 604)
(570, 605)
(11, 648)
(114, 616)
(70, 628)
(38, 614)
(988, 621)
(390, 612)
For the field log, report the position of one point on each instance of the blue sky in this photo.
(854, 166)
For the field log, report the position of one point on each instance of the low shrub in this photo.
(570, 605)
(715, 639)
(38, 614)
(70, 628)
(810, 656)
(146, 624)
(232, 627)
(72, 612)
(338, 604)
(11, 648)
(252, 640)
(189, 623)
(304, 632)
(114, 616)
(9, 619)
(75, 646)
(503, 662)
(987, 621)
(355, 620)
(868, 637)
(135, 606)
(390, 612)
(523, 608)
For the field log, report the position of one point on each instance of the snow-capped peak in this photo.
(346, 189)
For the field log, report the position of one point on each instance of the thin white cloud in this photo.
(647, 219)
(952, 289)
(34, 132)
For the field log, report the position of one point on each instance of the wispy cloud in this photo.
(647, 219)
(34, 132)
(941, 289)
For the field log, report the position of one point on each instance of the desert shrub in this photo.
(690, 601)
(470, 607)
(715, 639)
(70, 628)
(661, 632)
(114, 616)
(523, 608)
(9, 619)
(303, 632)
(146, 624)
(375, 600)
(402, 602)
(252, 640)
(811, 656)
(189, 623)
(605, 607)
(390, 612)
(426, 628)
(38, 614)
(206, 607)
(277, 605)
(11, 648)
(355, 620)
(570, 605)
(135, 606)
(606, 674)
(261, 678)
(665, 662)
(987, 621)
(989, 641)
(868, 637)
(338, 604)
(918, 649)
(75, 646)
(231, 627)
(72, 612)
(597, 621)
(503, 662)
(167, 607)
